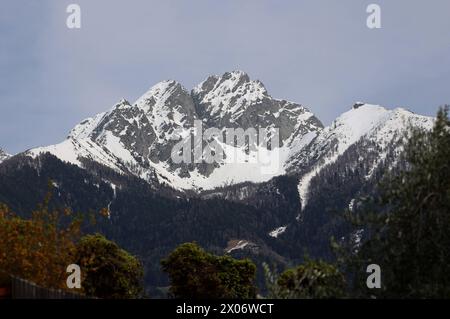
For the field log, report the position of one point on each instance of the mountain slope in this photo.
(363, 122)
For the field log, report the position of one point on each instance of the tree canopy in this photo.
(107, 270)
(195, 273)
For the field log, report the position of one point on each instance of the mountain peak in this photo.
(236, 74)
(123, 103)
(158, 89)
(228, 81)
(162, 94)
(361, 116)
(230, 93)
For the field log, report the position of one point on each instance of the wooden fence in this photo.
(24, 289)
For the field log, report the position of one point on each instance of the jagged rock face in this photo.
(233, 100)
(140, 137)
(168, 106)
(3, 155)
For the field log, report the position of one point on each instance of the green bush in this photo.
(194, 273)
(107, 270)
(311, 280)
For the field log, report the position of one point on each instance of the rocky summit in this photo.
(138, 138)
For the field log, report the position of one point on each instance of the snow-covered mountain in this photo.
(144, 137)
(139, 138)
(322, 172)
(364, 122)
(3, 155)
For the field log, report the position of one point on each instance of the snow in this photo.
(371, 121)
(298, 144)
(85, 128)
(277, 231)
(3, 155)
(159, 93)
(114, 144)
(352, 125)
(160, 115)
(241, 244)
(259, 168)
(259, 165)
(303, 185)
(347, 129)
(114, 188)
(231, 95)
(66, 151)
(71, 150)
(351, 204)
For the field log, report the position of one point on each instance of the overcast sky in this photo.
(317, 53)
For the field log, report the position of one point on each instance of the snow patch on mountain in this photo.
(237, 245)
(277, 231)
(85, 128)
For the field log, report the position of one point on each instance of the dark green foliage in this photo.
(107, 270)
(310, 280)
(410, 221)
(194, 273)
(149, 220)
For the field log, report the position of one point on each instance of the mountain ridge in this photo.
(139, 137)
